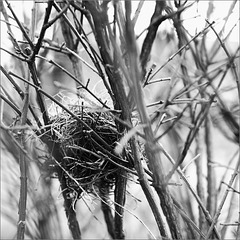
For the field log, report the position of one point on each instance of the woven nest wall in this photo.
(87, 163)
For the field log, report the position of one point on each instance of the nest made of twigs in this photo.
(87, 144)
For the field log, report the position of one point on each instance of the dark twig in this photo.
(105, 205)
(47, 24)
(150, 37)
(14, 107)
(21, 94)
(100, 19)
(40, 99)
(14, 55)
(69, 208)
(72, 45)
(119, 196)
(24, 32)
(44, 28)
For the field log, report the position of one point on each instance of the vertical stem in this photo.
(231, 211)
(120, 195)
(69, 209)
(23, 193)
(200, 179)
(238, 227)
(73, 224)
(108, 216)
(147, 189)
(151, 34)
(23, 171)
(211, 176)
(40, 98)
(151, 147)
(69, 40)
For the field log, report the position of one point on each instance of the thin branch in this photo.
(231, 188)
(14, 107)
(20, 26)
(21, 94)
(191, 135)
(47, 24)
(230, 58)
(186, 218)
(180, 50)
(200, 203)
(217, 214)
(75, 79)
(138, 11)
(14, 55)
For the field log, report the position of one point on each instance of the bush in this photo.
(104, 111)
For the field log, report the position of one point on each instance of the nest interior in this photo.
(88, 163)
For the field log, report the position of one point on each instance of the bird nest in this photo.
(87, 141)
